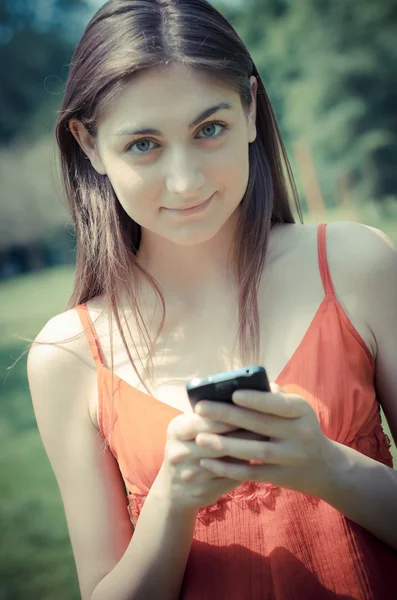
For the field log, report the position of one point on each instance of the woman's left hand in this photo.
(298, 454)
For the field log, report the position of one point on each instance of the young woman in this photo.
(189, 262)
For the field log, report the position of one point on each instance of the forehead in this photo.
(175, 93)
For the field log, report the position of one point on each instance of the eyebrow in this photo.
(204, 115)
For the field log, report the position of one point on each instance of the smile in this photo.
(190, 211)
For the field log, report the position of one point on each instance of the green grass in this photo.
(36, 559)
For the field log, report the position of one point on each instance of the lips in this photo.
(192, 206)
(183, 208)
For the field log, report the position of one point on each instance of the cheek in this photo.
(232, 169)
(135, 193)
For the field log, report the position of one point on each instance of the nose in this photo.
(184, 176)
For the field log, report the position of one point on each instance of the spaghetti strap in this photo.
(322, 260)
(93, 342)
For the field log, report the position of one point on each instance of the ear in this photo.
(88, 144)
(251, 114)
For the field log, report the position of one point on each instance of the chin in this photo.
(191, 240)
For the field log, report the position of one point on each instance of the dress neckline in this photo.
(318, 314)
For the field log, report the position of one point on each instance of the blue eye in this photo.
(208, 129)
(143, 141)
(211, 126)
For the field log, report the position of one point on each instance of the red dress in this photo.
(262, 542)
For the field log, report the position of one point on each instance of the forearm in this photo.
(363, 490)
(154, 563)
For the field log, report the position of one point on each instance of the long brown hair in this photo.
(123, 38)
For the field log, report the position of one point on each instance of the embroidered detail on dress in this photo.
(250, 494)
(376, 445)
(256, 496)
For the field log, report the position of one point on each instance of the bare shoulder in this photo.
(62, 345)
(60, 327)
(363, 265)
(62, 350)
(369, 257)
(359, 251)
(357, 236)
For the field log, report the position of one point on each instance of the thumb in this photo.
(277, 389)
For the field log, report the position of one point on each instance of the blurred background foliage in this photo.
(329, 68)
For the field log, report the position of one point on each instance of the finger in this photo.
(247, 419)
(265, 452)
(178, 451)
(188, 474)
(242, 472)
(277, 389)
(287, 406)
(186, 427)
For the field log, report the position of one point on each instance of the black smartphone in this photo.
(220, 386)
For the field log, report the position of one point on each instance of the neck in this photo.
(187, 273)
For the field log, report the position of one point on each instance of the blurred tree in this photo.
(36, 40)
(329, 68)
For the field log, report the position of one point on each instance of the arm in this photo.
(112, 561)
(365, 491)
(154, 563)
(361, 488)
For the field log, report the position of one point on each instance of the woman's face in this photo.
(180, 157)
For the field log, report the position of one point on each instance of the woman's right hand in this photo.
(184, 480)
